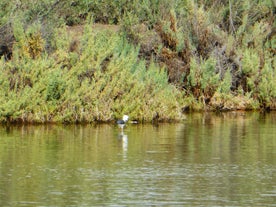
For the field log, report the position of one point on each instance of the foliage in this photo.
(202, 80)
(107, 82)
(166, 57)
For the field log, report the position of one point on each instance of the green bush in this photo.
(203, 80)
(105, 80)
(186, 54)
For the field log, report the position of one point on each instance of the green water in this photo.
(207, 160)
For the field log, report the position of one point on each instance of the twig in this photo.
(230, 17)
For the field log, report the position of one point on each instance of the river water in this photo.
(206, 160)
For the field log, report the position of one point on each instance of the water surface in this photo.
(207, 160)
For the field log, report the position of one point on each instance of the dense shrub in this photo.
(101, 82)
(163, 57)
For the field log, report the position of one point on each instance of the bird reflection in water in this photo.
(122, 137)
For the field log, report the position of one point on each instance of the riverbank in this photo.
(154, 69)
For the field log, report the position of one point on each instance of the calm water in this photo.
(208, 160)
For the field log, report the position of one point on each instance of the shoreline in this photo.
(137, 122)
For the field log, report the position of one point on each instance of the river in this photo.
(207, 160)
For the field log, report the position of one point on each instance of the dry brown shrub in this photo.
(168, 37)
(74, 46)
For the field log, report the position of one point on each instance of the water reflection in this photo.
(122, 137)
(209, 160)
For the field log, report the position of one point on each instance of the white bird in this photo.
(122, 123)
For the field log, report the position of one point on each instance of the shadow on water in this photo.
(208, 160)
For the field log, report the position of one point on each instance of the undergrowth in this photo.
(101, 81)
(167, 57)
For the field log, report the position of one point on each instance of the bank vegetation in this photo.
(87, 61)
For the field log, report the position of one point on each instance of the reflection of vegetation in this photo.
(53, 164)
(232, 137)
(167, 56)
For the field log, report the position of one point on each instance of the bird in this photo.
(122, 122)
